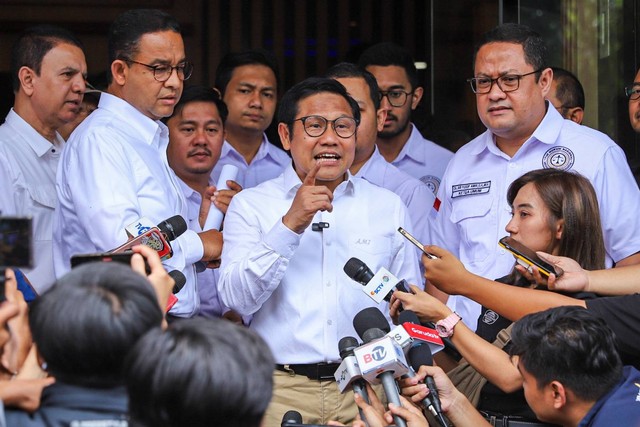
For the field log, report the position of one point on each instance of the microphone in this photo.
(381, 359)
(179, 280)
(418, 355)
(379, 286)
(348, 373)
(291, 417)
(294, 419)
(410, 333)
(214, 218)
(155, 237)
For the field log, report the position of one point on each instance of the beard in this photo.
(394, 131)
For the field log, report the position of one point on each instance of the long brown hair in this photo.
(569, 196)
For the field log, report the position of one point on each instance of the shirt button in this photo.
(328, 284)
(329, 322)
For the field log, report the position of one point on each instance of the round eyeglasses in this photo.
(315, 126)
(162, 73)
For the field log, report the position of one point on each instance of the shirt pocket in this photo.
(374, 251)
(476, 225)
(43, 202)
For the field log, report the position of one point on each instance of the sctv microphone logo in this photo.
(378, 353)
(385, 279)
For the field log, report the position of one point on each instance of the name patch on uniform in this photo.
(558, 158)
(470, 189)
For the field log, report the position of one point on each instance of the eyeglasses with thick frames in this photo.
(633, 92)
(162, 73)
(397, 98)
(315, 126)
(506, 83)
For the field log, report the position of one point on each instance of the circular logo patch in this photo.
(433, 182)
(490, 317)
(558, 158)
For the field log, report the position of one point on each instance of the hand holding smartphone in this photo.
(528, 258)
(415, 241)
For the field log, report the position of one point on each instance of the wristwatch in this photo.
(446, 325)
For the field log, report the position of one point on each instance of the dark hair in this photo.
(569, 196)
(568, 88)
(345, 70)
(231, 61)
(535, 49)
(200, 372)
(571, 345)
(32, 46)
(129, 27)
(387, 53)
(312, 86)
(86, 323)
(199, 93)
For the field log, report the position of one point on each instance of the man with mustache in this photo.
(48, 72)
(114, 169)
(248, 83)
(400, 142)
(524, 132)
(196, 134)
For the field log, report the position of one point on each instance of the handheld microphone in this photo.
(294, 419)
(379, 286)
(214, 218)
(179, 280)
(410, 333)
(380, 359)
(421, 354)
(348, 373)
(153, 236)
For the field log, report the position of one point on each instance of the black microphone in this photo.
(179, 280)
(294, 419)
(359, 271)
(350, 373)
(173, 227)
(420, 354)
(318, 226)
(291, 417)
(370, 324)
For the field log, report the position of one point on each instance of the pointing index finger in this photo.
(310, 179)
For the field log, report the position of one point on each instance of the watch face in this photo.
(442, 331)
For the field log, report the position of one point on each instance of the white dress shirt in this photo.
(113, 171)
(268, 163)
(210, 304)
(294, 285)
(474, 210)
(28, 163)
(423, 159)
(417, 197)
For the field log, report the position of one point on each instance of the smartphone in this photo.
(528, 258)
(15, 242)
(415, 241)
(121, 257)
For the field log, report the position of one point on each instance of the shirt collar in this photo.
(411, 146)
(38, 143)
(547, 132)
(265, 150)
(137, 124)
(292, 182)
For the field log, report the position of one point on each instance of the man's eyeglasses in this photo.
(506, 83)
(162, 73)
(632, 92)
(315, 126)
(397, 98)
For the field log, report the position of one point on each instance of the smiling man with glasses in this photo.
(400, 141)
(511, 80)
(287, 240)
(114, 169)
